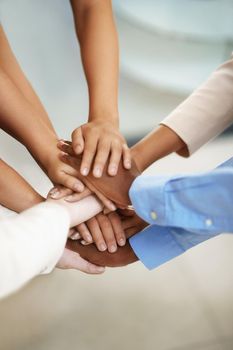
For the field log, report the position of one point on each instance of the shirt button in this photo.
(208, 222)
(153, 215)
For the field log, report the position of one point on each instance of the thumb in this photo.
(77, 140)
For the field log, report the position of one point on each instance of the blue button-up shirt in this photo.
(182, 210)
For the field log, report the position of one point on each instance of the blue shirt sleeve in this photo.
(156, 245)
(183, 210)
(201, 203)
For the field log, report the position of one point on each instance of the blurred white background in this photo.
(167, 49)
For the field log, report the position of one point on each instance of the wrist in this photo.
(29, 200)
(45, 153)
(156, 145)
(104, 115)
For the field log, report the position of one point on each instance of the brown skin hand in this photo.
(123, 256)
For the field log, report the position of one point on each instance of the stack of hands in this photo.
(108, 174)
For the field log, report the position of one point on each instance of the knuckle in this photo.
(76, 133)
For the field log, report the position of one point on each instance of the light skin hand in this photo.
(78, 211)
(73, 260)
(123, 224)
(123, 256)
(101, 143)
(104, 230)
(105, 233)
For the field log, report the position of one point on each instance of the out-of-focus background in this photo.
(168, 47)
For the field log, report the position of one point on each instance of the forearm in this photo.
(9, 64)
(158, 144)
(15, 193)
(99, 50)
(22, 121)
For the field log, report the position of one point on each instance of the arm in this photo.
(23, 121)
(15, 193)
(33, 242)
(202, 116)
(23, 116)
(200, 202)
(99, 50)
(10, 66)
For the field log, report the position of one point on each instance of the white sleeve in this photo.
(206, 112)
(31, 243)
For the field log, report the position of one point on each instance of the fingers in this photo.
(75, 197)
(126, 156)
(107, 232)
(58, 192)
(88, 154)
(84, 233)
(72, 260)
(72, 183)
(117, 228)
(65, 146)
(77, 140)
(101, 158)
(96, 232)
(116, 152)
(106, 202)
(72, 161)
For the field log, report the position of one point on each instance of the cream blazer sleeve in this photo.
(206, 112)
(31, 243)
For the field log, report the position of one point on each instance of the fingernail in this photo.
(97, 172)
(69, 198)
(121, 242)
(127, 164)
(78, 187)
(53, 190)
(112, 206)
(113, 170)
(113, 248)
(84, 171)
(84, 242)
(102, 247)
(75, 236)
(89, 238)
(55, 194)
(78, 149)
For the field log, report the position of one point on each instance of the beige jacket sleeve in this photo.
(31, 243)
(206, 112)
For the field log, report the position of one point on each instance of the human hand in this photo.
(104, 230)
(80, 211)
(62, 174)
(123, 256)
(100, 142)
(72, 260)
(114, 188)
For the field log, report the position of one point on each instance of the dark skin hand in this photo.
(123, 256)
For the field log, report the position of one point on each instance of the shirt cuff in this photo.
(143, 192)
(155, 245)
